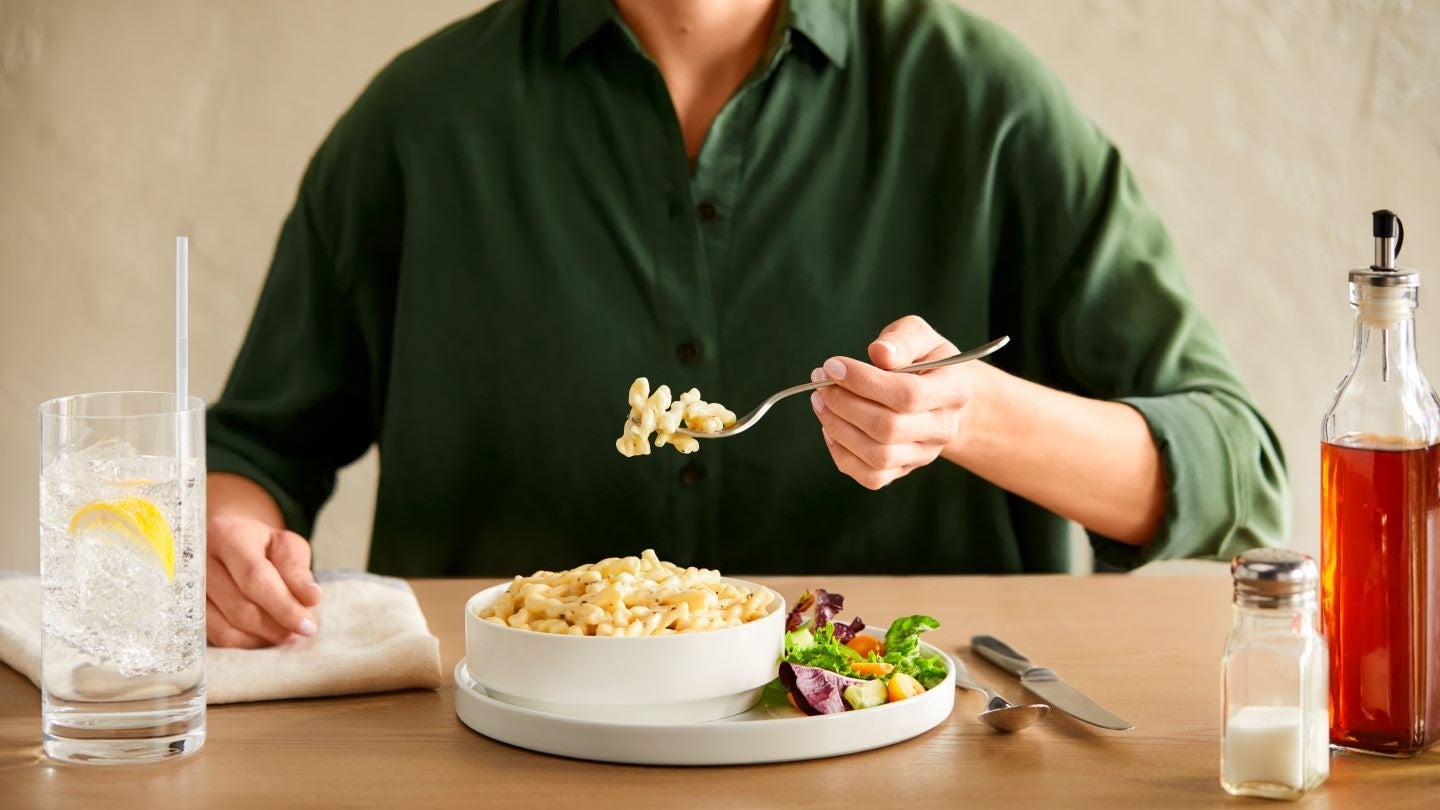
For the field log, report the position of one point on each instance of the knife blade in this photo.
(1046, 684)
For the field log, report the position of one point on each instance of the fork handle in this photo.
(751, 418)
(800, 389)
(972, 354)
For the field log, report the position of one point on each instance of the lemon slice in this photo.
(135, 520)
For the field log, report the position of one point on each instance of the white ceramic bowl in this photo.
(680, 678)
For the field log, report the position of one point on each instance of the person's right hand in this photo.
(259, 590)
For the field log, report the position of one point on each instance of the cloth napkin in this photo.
(372, 638)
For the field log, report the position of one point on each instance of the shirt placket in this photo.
(716, 195)
(692, 269)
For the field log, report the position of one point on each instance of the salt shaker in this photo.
(1275, 734)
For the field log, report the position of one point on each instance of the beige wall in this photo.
(1264, 130)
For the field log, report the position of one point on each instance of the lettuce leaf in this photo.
(816, 690)
(903, 637)
(824, 651)
(827, 606)
(902, 648)
(773, 695)
(927, 669)
(797, 613)
(845, 632)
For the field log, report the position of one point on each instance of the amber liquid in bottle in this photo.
(1380, 525)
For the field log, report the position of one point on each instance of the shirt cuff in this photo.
(223, 459)
(1205, 494)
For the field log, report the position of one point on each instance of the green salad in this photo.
(828, 666)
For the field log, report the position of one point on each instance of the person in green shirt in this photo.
(542, 202)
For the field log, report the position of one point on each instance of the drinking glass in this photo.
(122, 569)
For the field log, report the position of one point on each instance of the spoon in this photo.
(743, 423)
(1000, 714)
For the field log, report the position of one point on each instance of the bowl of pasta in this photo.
(630, 639)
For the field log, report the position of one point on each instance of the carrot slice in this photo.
(874, 668)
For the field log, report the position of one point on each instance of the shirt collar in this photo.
(577, 21)
(825, 23)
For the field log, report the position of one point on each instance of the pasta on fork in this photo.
(657, 413)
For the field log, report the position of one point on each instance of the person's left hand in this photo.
(880, 425)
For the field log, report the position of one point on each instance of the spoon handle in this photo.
(964, 681)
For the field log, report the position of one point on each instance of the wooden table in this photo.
(1147, 647)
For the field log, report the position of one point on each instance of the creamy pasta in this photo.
(627, 596)
(657, 413)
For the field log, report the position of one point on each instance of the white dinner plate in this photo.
(759, 735)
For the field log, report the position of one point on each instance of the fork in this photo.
(745, 422)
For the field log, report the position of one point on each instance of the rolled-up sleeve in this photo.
(1102, 293)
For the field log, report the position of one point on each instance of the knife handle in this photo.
(1001, 655)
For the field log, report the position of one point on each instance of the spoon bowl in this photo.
(1002, 715)
(999, 714)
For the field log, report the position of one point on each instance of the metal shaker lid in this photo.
(1274, 577)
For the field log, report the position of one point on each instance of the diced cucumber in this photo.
(865, 694)
(799, 639)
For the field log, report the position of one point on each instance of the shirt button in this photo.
(691, 475)
(708, 212)
(688, 352)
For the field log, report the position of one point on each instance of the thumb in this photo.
(905, 342)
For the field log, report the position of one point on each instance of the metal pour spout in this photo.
(1389, 236)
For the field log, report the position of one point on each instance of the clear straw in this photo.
(182, 322)
(182, 371)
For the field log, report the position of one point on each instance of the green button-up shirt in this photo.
(505, 230)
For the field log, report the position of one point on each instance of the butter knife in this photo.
(1046, 684)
